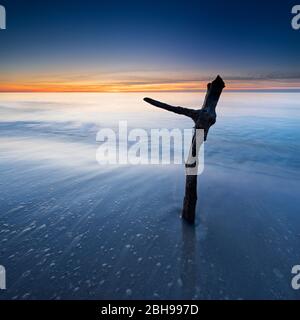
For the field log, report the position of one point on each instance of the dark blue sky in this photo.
(191, 39)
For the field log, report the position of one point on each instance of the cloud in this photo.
(145, 80)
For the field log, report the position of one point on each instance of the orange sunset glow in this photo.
(141, 86)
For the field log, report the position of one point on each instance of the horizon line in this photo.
(292, 90)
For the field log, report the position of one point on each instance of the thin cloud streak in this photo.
(147, 85)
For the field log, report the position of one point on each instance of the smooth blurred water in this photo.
(74, 229)
(262, 126)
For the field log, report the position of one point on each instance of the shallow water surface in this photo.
(73, 229)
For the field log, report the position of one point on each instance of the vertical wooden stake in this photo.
(203, 118)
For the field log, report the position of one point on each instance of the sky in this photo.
(124, 46)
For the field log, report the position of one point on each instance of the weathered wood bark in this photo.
(203, 118)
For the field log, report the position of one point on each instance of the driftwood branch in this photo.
(179, 110)
(204, 119)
